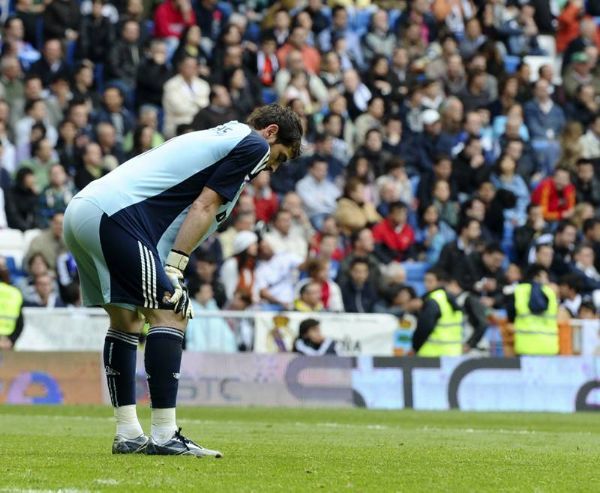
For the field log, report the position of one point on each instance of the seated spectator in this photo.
(317, 192)
(96, 36)
(399, 300)
(243, 98)
(584, 267)
(447, 208)
(22, 202)
(482, 274)
(62, 20)
(36, 266)
(475, 94)
(433, 233)
(454, 255)
(393, 235)
(52, 62)
(358, 292)
(183, 96)
(310, 340)
(587, 186)
(363, 247)
(275, 276)
(309, 298)
(49, 242)
(265, 199)
(57, 195)
(205, 271)
(372, 118)
(397, 177)
(331, 295)
(469, 168)
(92, 166)
(171, 17)
(43, 158)
(207, 334)
(353, 212)
(556, 195)
(36, 113)
(590, 141)
(283, 238)
(543, 117)
(565, 239)
(297, 40)
(379, 40)
(124, 57)
(237, 271)
(114, 112)
(45, 295)
(142, 140)
(427, 145)
(570, 287)
(442, 170)
(526, 236)
(219, 110)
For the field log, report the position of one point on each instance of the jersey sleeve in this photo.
(245, 160)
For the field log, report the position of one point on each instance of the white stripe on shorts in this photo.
(144, 284)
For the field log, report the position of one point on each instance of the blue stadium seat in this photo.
(269, 96)
(511, 63)
(415, 271)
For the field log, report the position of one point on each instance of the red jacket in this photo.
(554, 203)
(266, 206)
(396, 239)
(169, 21)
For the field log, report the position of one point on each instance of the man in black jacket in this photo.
(152, 74)
(51, 64)
(483, 275)
(219, 110)
(454, 254)
(358, 292)
(125, 56)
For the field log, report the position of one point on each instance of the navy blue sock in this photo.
(164, 346)
(120, 350)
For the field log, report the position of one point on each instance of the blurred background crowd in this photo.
(451, 133)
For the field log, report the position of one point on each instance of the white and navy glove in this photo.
(180, 299)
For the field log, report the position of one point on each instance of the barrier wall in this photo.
(560, 384)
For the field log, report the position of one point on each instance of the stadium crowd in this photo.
(451, 133)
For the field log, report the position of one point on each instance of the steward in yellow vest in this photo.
(11, 318)
(439, 329)
(533, 310)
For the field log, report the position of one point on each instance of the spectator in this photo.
(243, 98)
(92, 166)
(266, 201)
(353, 213)
(453, 255)
(372, 118)
(565, 238)
(52, 62)
(556, 195)
(433, 234)
(220, 110)
(587, 186)
(524, 237)
(310, 340)
(283, 238)
(115, 113)
(331, 295)
(276, 275)
(208, 334)
(49, 242)
(57, 195)
(96, 35)
(62, 19)
(45, 295)
(184, 95)
(297, 41)
(37, 113)
(543, 117)
(358, 292)
(171, 18)
(237, 271)
(309, 298)
(393, 236)
(41, 162)
(590, 141)
(317, 192)
(379, 40)
(125, 56)
(483, 275)
(22, 202)
(505, 177)
(447, 208)
(340, 30)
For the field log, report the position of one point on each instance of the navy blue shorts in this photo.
(116, 265)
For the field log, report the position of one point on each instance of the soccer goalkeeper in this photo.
(131, 233)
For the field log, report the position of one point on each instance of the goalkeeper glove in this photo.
(180, 299)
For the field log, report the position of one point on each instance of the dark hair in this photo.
(534, 270)
(397, 205)
(582, 161)
(359, 260)
(539, 246)
(290, 126)
(465, 223)
(494, 247)
(587, 305)
(440, 274)
(590, 224)
(31, 103)
(305, 287)
(564, 225)
(573, 281)
(306, 325)
(351, 184)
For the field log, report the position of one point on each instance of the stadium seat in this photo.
(11, 239)
(535, 62)
(511, 63)
(415, 271)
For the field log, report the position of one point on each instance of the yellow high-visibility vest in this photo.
(11, 301)
(446, 338)
(535, 334)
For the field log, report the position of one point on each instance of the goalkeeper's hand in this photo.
(180, 299)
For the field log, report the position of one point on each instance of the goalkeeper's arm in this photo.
(194, 227)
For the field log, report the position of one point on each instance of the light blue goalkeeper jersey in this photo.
(151, 194)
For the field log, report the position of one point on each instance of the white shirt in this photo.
(278, 275)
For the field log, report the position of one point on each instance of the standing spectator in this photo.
(184, 95)
(152, 75)
(57, 195)
(125, 57)
(317, 192)
(393, 235)
(358, 292)
(62, 19)
(556, 195)
(22, 202)
(96, 36)
(49, 242)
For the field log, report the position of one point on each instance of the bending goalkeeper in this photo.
(131, 233)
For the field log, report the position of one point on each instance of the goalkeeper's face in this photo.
(280, 153)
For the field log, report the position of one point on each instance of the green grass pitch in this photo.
(68, 448)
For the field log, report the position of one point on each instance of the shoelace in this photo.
(185, 440)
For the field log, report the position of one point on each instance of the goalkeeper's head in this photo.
(282, 128)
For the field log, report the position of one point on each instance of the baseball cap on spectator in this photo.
(243, 240)
(580, 57)
(429, 117)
